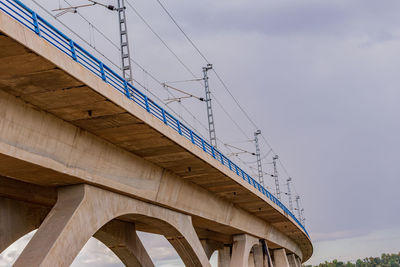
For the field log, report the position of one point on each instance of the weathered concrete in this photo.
(224, 256)
(251, 260)
(40, 148)
(267, 256)
(81, 210)
(210, 246)
(122, 239)
(258, 255)
(280, 258)
(242, 244)
(292, 260)
(298, 262)
(17, 219)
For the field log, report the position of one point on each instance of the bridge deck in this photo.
(52, 82)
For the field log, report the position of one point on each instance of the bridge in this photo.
(84, 153)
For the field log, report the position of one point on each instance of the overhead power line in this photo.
(117, 66)
(206, 59)
(183, 32)
(159, 38)
(224, 85)
(183, 64)
(181, 61)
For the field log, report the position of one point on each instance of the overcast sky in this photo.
(319, 78)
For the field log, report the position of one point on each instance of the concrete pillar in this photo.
(242, 245)
(267, 256)
(298, 261)
(17, 219)
(224, 256)
(81, 210)
(122, 239)
(251, 260)
(210, 246)
(280, 259)
(258, 256)
(292, 260)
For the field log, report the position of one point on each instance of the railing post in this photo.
(73, 52)
(146, 101)
(35, 23)
(102, 72)
(191, 136)
(126, 89)
(229, 164)
(178, 124)
(164, 117)
(203, 145)
(213, 152)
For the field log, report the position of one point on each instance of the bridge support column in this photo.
(298, 261)
(17, 219)
(122, 239)
(210, 246)
(292, 260)
(224, 256)
(81, 210)
(258, 256)
(280, 259)
(250, 262)
(242, 245)
(267, 255)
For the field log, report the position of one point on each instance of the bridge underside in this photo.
(64, 132)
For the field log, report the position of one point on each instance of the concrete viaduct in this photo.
(79, 159)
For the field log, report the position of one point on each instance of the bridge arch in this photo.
(81, 210)
(11, 253)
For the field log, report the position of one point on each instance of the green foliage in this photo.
(386, 260)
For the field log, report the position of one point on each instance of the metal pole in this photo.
(289, 194)
(210, 117)
(124, 40)
(277, 190)
(298, 208)
(258, 155)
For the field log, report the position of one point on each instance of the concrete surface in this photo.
(81, 210)
(121, 238)
(242, 245)
(280, 258)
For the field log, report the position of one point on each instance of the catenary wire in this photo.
(185, 66)
(117, 66)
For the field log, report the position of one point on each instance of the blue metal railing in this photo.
(20, 12)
